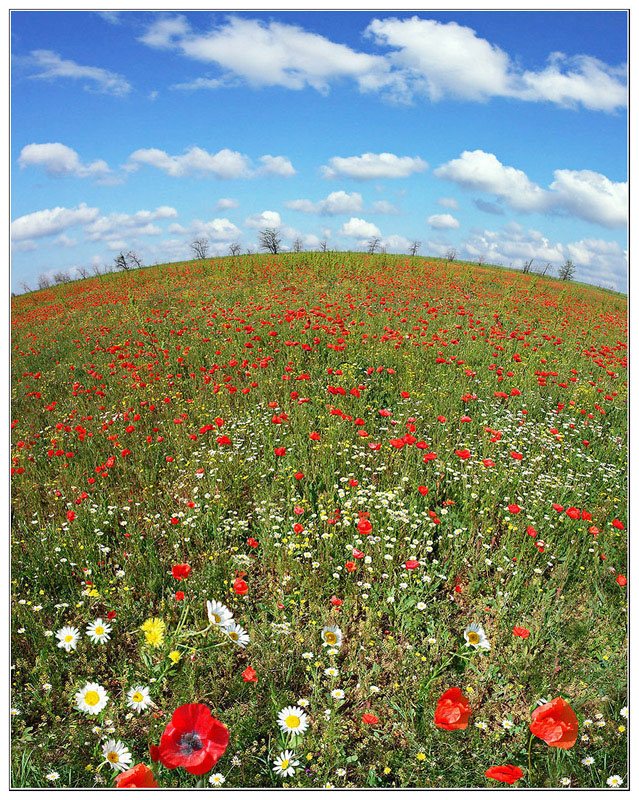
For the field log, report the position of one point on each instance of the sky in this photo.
(501, 135)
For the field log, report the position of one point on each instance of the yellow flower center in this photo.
(68, 638)
(473, 637)
(330, 637)
(285, 763)
(292, 721)
(138, 697)
(113, 757)
(99, 630)
(216, 618)
(234, 635)
(92, 698)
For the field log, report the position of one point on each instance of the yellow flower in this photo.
(421, 756)
(154, 631)
(387, 770)
(175, 656)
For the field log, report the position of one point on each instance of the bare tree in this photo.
(234, 249)
(372, 245)
(414, 248)
(44, 282)
(480, 260)
(297, 245)
(249, 251)
(134, 259)
(127, 261)
(322, 246)
(96, 269)
(121, 262)
(451, 254)
(200, 247)
(527, 266)
(546, 268)
(61, 277)
(25, 287)
(566, 271)
(83, 272)
(270, 240)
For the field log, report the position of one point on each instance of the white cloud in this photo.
(65, 241)
(57, 159)
(276, 165)
(52, 66)
(443, 221)
(439, 60)
(267, 219)
(268, 53)
(359, 229)
(370, 166)
(110, 227)
(384, 207)
(217, 230)
(49, 221)
(224, 164)
(112, 17)
(335, 203)
(396, 244)
(591, 196)
(226, 202)
(448, 202)
(580, 193)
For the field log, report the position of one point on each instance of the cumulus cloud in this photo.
(226, 202)
(371, 166)
(443, 221)
(335, 203)
(276, 165)
(580, 193)
(226, 164)
(384, 207)
(217, 230)
(57, 160)
(111, 228)
(267, 219)
(51, 67)
(357, 228)
(50, 221)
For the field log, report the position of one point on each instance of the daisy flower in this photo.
(337, 694)
(285, 764)
(476, 637)
(67, 638)
(217, 779)
(98, 631)
(218, 613)
(237, 634)
(332, 672)
(292, 720)
(138, 698)
(91, 699)
(332, 636)
(624, 712)
(588, 761)
(117, 754)
(52, 776)
(615, 781)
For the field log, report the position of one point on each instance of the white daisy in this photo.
(588, 761)
(52, 776)
(138, 698)
(67, 638)
(624, 712)
(218, 613)
(285, 764)
(476, 637)
(98, 631)
(237, 634)
(91, 699)
(117, 754)
(332, 672)
(332, 636)
(615, 781)
(337, 694)
(292, 720)
(217, 779)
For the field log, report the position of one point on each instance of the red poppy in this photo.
(411, 564)
(180, 571)
(70, 515)
(138, 777)
(240, 586)
(335, 601)
(193, 739)
(251, 542)
(364, 527)
(370, 719)
(488, 462)
(463, 454)
(556, 723)
(422, 490)
(504, 774)
(351, 566)
(523, 633)
(249, 675)
(617, 523)
(279, 451)
(621, 580)
(179, 596)
(573, 513)
(513, 508)
(452, 711)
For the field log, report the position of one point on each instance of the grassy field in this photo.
(390, 448)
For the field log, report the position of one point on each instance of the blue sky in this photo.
(501, 134)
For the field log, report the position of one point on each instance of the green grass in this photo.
(157, 349)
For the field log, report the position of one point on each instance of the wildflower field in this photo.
(319, 519)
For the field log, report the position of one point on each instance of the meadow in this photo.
(319, 519)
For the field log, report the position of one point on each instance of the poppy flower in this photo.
(370, 719)
(423, 490)
(240, 586)
(411, 564)
(193, 739)
(621, 580)
(251, 542)
(335, 601)
(513, 508)
(523, 633)
(279, 451)
(618, 524)
(249, 675)
(180, 571)
(138, 777)
(364, 526)
(463, 454)
(179, 596)
(452, 711)
(504, 774)
(573, 513)
(556, 723)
